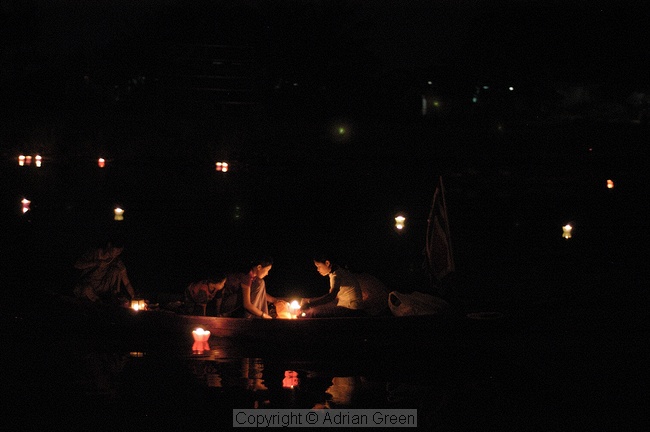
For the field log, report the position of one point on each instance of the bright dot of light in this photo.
(610, 184)
(511, 88)
(341, 130)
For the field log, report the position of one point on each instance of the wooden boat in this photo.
(164, 330)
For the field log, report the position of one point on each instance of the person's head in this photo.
(217, 281)
(260, 268)
(323, 264)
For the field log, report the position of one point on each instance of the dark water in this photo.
(570, 354)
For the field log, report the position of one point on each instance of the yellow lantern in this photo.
(294, 308)
(566, 231)
(138, 304)
(400, 222)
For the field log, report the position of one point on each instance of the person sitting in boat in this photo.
(199, 294)
(344, 298)
(103, 275)
(245, 292)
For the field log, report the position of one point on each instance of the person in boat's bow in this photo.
(344, 298)
(103, 274)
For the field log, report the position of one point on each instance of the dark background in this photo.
(163, 89)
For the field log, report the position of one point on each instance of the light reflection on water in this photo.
(155, 387)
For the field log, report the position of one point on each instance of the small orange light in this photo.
(610, 184)
(101, 162)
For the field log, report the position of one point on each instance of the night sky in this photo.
(574, 41)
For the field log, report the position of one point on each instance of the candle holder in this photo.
(138, 304)
(201, 338)
(294, 309)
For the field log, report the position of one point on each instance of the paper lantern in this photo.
(201, 338)
(138, 304)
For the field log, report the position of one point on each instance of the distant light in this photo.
(25, 202)
(39, 160)
(566, 231)
(21, 160)
(28, 160)
(610, 184)
(474, 99)
(222, 166)
(138, 304)
(485, 87)
(400, 222)
(511, 88)
(436, 104)
(341, 130)
(119, 214)
(429, 82)
(101, 162)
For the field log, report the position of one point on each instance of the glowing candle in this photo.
(101, 162)
(138, 304)
(400, 222)
(222, 166)
(28, 160)
(610, 184)
(26, 204)
(119, 214)
(201, 338)
(21, 160)
(294, 308)
(39, 160)
(566, 231)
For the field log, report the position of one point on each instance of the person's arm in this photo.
(246, 298)
(127, 284)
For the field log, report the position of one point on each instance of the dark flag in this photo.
(439, 255)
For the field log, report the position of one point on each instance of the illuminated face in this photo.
(323, 268)
(262, 272)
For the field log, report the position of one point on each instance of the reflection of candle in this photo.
(290, 379)
(294, 308)
(566, 231)
(201, 338)
(26, 204)
(119, 214)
